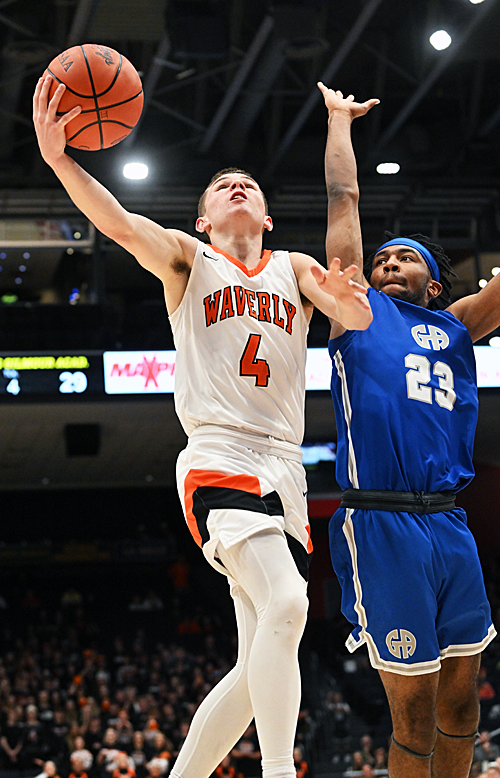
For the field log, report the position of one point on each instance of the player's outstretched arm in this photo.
(479, 312)
(334, 292)
(343, 237)
(161, 251)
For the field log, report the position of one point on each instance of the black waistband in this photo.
(409, 502)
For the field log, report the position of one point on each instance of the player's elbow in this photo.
(338, 191)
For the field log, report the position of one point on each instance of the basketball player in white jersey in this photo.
(239, 317)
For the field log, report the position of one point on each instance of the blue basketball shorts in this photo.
(412, 586)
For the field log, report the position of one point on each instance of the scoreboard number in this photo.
(72, 382)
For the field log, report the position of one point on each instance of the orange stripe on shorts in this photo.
(196, 478)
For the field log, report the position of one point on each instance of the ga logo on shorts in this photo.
(401, 643)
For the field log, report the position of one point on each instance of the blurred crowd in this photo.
(76, 704)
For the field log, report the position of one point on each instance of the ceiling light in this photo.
(495, 340)
(26, 255)
(135, 170)
(440, 40)
(475, 2)
(388, 168)
(495, 271)
(482, 283)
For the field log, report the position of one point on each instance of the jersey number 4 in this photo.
(419, 375)
(250, 366)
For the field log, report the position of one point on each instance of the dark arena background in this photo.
(112, 623)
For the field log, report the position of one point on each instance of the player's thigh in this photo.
(412, 700)
(457, 706)
(265, 569)
(385, 563)
(463, 621)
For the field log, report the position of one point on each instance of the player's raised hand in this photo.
(335, 101)
(354, 310)
(49, 127)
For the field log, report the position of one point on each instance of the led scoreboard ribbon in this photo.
(25, 376)
(98, 374)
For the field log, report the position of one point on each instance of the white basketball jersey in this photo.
(240, 337)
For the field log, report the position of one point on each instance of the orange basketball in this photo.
(108, 88)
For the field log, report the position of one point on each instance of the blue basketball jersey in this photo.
(405, 397)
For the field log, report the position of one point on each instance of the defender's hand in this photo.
(354, 310)
(335, 101)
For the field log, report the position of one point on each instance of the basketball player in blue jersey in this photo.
(239, 316)
(405, 399)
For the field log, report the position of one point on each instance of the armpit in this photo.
(180, 267)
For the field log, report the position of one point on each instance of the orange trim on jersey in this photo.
(309, 542)
(196, 478)
(265, 257)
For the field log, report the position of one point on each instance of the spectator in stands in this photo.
(485, 690)
(158, 748)
(226, 769)
(138, 755)
(367, 750)
(59, 731)
(82, 753)
(380, 755)
(154, 770)
(158, 763)
(45, 712)
(367, 771)
(475, 770)
(49, 770)
(93, 736)
(124, 730)
(106, 758)
(246, 755)
(485, 750)
(124, 766)
(77, 768)
(357, 761)
(491, 772)
(11, 741)
(36, 743)
(300, 763)
(151, 729)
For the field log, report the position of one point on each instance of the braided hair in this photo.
(443, 300)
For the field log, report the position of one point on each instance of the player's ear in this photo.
(434, 288)
(201, 223)
(268, 223)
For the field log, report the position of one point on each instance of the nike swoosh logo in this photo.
(305, 494)
(209, 256)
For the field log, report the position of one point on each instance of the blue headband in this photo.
(426, 254)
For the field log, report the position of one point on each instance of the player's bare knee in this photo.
(460, 714)
(414, 721)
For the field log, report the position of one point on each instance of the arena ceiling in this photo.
(233, 82)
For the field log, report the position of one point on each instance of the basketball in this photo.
(108, 88)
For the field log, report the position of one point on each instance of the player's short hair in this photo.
(443, 300)
(219, 174)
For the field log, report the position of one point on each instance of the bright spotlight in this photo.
(482, 282)
(135, 170)
(475, 2)
(495, 271)
(440, 40)
(495, 341)
(388, 168)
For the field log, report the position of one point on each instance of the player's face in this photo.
(401, 272)
(235, 199)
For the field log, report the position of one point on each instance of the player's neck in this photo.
(246, 248)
